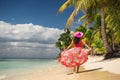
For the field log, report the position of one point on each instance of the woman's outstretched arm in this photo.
(70, 45)
(86, 44)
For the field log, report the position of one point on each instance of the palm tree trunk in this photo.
(110, 52)
(103, 30)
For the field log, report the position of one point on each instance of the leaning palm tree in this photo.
(103, 31)
(113, 21)
(91, 7)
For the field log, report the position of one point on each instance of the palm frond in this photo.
(74, 14)
(64, 6)
(82, 18)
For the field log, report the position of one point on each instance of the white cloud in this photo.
(27, 40)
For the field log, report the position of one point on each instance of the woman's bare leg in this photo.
(74, 69)
(77, 69)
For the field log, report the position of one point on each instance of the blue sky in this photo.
(41, 12)
(30, 28)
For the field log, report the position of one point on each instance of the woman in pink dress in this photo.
(76, 56)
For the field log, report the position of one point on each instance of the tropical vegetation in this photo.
(64, 41)
(104, 17)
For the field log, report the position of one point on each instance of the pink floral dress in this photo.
(75, 56)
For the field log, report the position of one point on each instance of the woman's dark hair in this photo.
(76, 40)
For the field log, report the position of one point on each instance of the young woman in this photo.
(76, 56)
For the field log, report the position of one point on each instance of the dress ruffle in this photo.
(74, 57)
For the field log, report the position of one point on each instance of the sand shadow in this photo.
(90, 70)
(86, 71)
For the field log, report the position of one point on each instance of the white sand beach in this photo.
(95, 69)
(111, 65)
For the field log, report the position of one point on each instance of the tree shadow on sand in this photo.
(86, 71)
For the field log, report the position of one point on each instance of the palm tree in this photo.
(103, 30)
(113, 21)
(91, 7)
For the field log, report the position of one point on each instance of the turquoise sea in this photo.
(12, 67)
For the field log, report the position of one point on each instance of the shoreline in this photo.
(62, 73)
(88, 71)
